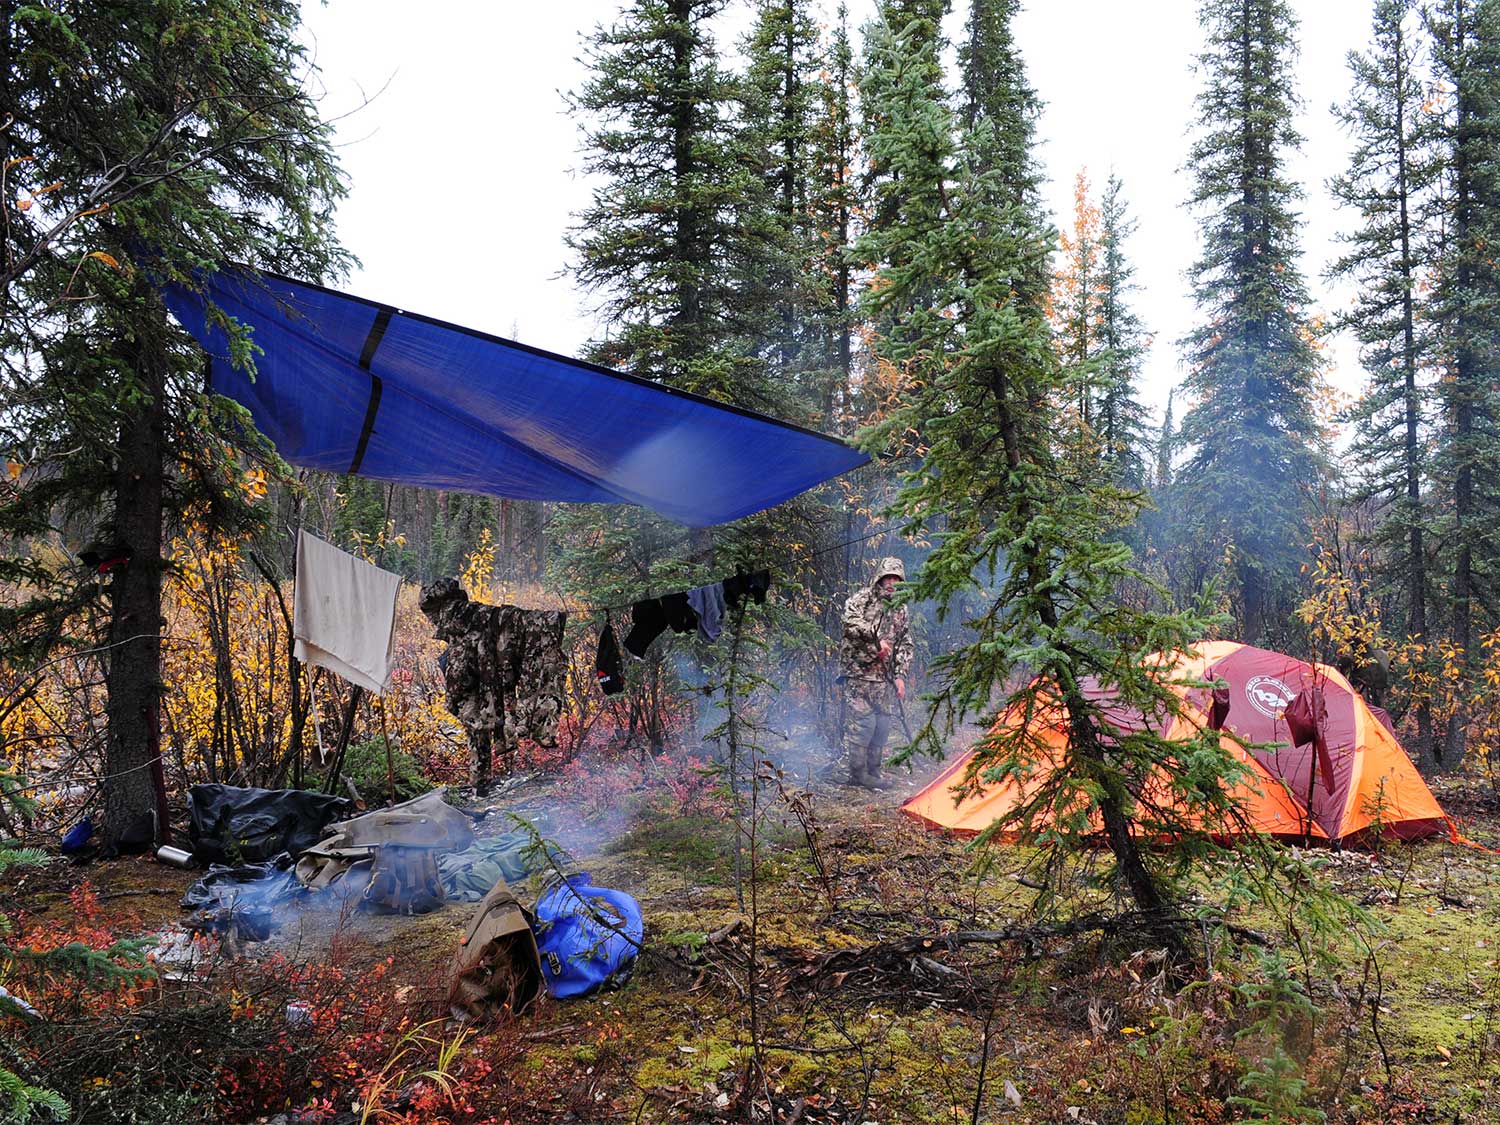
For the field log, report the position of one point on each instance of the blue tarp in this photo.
(349, 385)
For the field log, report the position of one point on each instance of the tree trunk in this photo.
(1466, 377)
(1411, 451)
(1161, 918)
(134, 787)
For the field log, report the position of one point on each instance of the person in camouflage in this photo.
(503, 668)
(876, 655)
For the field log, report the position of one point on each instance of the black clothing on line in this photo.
(607, 663)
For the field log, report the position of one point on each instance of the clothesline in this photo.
(811, 555)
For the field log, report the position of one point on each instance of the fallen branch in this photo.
(107, 895)
(919, 947)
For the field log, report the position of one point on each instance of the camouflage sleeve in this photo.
(857, 625)
(902, 649)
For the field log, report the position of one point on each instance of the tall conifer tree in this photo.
(1018, 528)
(1251, 426)
(1100, 339)
(833, 206)
(918, 23)
(1076, 311)
(994, 88)
(1166, 446)
(659, 239)
(176, 135)
(1466, 313)
(679, 241)
(1119, 417)
(779, 99)
(1389, 185)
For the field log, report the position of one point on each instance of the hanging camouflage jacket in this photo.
(504, 666)
(868, 620)
(533, 668)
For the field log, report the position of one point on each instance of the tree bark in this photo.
(1465, 388)
(1416, 564)
(134, 786)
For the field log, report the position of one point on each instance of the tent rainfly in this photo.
(1331, 768)
(347, 385)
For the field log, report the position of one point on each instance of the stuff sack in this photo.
(587, 936)
(229, 825)
(495, 969)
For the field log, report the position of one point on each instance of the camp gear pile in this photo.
(232, 825)
(412, 858)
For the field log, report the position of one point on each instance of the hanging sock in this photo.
(647, 622)
(607, 664)
(679, 612)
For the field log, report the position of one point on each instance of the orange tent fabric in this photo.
(1349, 771)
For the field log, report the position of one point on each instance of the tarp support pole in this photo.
(366, 357)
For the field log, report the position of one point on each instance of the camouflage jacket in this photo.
(504, 667)
(867, 621)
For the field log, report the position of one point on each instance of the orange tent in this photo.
(1331, 769)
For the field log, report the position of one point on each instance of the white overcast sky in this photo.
(464, 164)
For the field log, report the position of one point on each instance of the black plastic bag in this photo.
(230, 825)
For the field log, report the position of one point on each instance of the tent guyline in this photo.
(347, 385)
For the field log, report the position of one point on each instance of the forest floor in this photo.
(861, 1014)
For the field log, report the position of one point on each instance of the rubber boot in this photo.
(873, 778)
(857, 776)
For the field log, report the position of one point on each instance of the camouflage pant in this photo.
(481, 758)
(869, 706)
(482, 746)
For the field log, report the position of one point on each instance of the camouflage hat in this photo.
(890, 566)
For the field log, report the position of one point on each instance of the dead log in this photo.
(902, 953)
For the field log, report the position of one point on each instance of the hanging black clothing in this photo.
(647, 622)
(742, 586)
(607, 664)
(679, 611)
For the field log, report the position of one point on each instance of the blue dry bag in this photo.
(587, 936)
(77, 838)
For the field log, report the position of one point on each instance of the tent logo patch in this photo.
(1268, 695)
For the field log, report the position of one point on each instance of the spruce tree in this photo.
(797, 130)
(1019, 529)
(658, 242)
(1076, 312)
(678, 243)
(919, 23)
(833, 204)
(1166, 446)
(994, 88)
(1099, 337)
(1119, 416)
(1389, 185)
(779, 98)
(1251, 429)
(1466, 311)
(161, 139)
